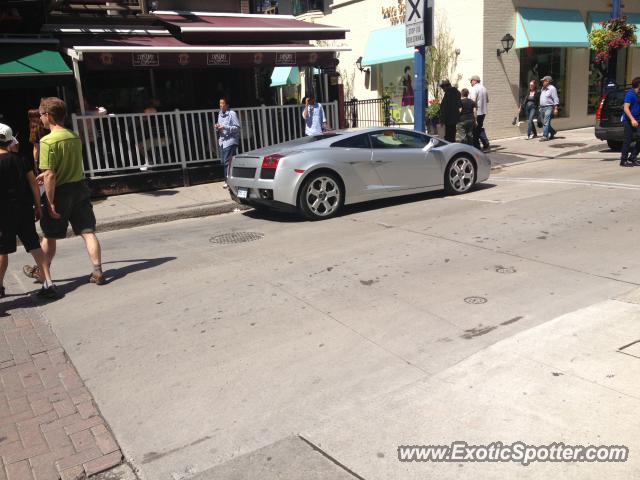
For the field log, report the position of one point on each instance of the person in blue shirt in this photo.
(228, 128)
(630, 121)
(314, 119)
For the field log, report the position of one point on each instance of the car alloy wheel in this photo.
(460, 176)
(321, 196)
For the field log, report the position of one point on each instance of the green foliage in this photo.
(433, 110)
(614, 35)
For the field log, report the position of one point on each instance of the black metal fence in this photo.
(368, 113)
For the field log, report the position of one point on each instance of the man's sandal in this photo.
(33, 272)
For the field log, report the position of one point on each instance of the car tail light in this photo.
(269, 166)
(270, 162)
(599, 111)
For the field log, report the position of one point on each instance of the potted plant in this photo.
(614, 35)
(433, 116)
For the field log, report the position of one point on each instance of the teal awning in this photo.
(594, 19)
(282, 76)
(387, 45)
(29, 61)
(541, 27)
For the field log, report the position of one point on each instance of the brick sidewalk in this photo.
(49, 426)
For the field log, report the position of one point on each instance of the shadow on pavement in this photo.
(160, 193)
(287, 217)
(68, 285)
(19, 301)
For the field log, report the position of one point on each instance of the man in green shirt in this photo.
(67, 197)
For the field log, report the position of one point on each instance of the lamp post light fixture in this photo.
(360, 67)
(507, 44)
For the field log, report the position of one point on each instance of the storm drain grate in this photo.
(236, 237)
(475, 300)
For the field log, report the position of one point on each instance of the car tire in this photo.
(615, 145)
(321, 196)
(460, 175)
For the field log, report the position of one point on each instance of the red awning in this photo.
(138, 51)
(220, 27)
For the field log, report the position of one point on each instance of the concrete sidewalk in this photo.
(513, 151)
(134, 209)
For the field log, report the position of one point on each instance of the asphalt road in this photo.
(199, 352)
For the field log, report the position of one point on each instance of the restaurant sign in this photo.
(124, 61)
(145, 59)
(218, 59)
(285, 58)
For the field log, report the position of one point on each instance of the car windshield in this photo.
(309, 139)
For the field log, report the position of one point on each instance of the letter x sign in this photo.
(415, 10)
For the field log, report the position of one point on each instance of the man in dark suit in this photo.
(450, 110)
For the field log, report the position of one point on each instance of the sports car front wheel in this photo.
(460, 175)
(321, 196)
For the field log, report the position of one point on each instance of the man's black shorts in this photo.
(18, 222)
(73, 203)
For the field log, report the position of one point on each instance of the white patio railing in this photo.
(134, 142)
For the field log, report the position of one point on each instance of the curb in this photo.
(196, 211)
(589, 148)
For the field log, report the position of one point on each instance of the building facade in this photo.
(551, 39)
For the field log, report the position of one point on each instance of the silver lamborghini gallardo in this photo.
(318, 175)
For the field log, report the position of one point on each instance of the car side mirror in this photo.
(432, 144)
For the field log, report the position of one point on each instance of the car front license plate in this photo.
(242, 192)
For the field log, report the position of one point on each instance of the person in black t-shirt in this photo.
(19, 194)
(467, 118)
(449, 110)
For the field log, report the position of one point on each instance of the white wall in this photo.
(360, 17)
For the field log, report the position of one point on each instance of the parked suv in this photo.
(608, 118)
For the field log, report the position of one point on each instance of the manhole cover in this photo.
(236, 237)
(567, 145)
(501, 269)
(475, 300)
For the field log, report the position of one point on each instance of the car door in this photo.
(354, 153)
(403, 160)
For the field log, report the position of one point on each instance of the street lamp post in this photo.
(612, 66)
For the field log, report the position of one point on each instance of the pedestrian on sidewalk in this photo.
(19, 210)
(630, 119)
(315, 120)
(228, 128)
(67, 197)
(467, 121)
(450, 110)
(549, 102)
(479, 94)
(529, 104)
(36, 132)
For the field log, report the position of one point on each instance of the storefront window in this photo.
(303, 6)
(597, 74)
(536, 63)
(397, 84)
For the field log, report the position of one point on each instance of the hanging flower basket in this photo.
(614, 35)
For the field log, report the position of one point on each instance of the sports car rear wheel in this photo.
(460, 175)
(321, 196)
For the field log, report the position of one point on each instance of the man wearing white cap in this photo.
(478, 93)
(18, 196)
